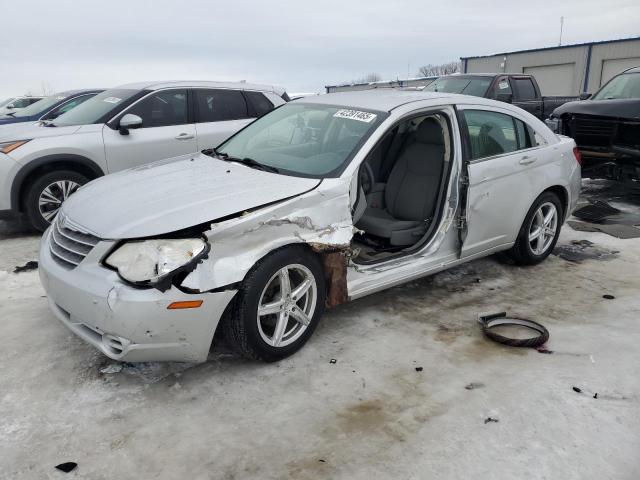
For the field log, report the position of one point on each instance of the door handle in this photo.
(526, 160)
(185, 136)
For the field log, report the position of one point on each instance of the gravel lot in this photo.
(370, 414)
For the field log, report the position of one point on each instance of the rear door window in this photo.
(220, 105)
(162, 108)
(490, 133)
(258, 104)
(524, 89)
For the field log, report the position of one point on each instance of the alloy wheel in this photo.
(287, 305)
(52, 196)
(543, 228)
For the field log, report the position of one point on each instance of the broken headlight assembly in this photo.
(155, 262)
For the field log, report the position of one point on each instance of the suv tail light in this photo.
(578, 155)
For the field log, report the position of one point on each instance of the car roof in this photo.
(387, 99)
(200, 83)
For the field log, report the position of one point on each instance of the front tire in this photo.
(46, 194)
(278, 306)
(540, 230)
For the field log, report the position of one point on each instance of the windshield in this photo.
(96, 109)
(304, 139)
(476, 86)
(626, 85)
(40, 106)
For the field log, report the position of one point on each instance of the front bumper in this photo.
(127, 323)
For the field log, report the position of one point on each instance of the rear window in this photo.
(258, 104)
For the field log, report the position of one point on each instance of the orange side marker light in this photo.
(185, 304)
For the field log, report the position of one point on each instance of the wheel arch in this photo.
(48, 163)
(563, 195)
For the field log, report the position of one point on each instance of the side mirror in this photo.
(505, 97)
(11, 106)
(128, 122)
(585, 96)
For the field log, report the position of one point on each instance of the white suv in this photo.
(120, 128)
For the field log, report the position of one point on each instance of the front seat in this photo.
(412, 189)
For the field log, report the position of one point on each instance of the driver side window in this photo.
(161, 109)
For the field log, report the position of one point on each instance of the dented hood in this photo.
(173, 194)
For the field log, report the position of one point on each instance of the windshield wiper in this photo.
(249, 162)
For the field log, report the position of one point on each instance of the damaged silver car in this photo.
(322, 201)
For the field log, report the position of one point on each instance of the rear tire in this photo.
(540, 230)
(265, 324)
(46, 194)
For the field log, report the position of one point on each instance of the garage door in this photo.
(554, 79)
(611, 68)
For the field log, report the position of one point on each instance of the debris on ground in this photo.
(27, 267)
(595, 395)
(418, 369)
(617, 230)
(596, 211)
(545, 350)
(488, 322)
(333, 360)
(608, 297)
(112, 368)
(474, 385)
(577, 390)
(66, 467)
(579, 250)
(490, 419)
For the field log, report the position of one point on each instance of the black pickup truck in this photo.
(606, 128)
(518, 89)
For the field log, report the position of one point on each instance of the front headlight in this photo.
(149, 262)
(7, 147)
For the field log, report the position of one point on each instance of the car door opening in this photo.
(401, 188)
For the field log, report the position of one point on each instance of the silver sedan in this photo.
(323, 200)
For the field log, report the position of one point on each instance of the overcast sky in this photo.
(296, 44)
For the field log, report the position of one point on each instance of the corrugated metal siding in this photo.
(624, 51)
(627, 54)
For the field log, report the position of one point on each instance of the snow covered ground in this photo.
(370, 414)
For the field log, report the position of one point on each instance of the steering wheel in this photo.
(366, 177)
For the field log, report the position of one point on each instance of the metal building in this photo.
(406, 83)
(564, 70)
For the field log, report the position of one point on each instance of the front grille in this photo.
(69, 247)
(595, 131)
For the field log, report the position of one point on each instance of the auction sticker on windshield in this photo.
(112, 99)
(356, 115)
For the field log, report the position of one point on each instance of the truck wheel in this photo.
(540, 230)
(278, 306)
(45, 195)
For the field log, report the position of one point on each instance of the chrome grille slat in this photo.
(74, 247)
(70, 247)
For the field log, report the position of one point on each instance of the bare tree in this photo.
(46, 88)
(368, 78)
(431, 70)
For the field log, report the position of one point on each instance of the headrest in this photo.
(430, 131)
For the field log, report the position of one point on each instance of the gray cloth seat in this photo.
(412, 189)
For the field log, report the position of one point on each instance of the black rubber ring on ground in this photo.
(500, 319)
